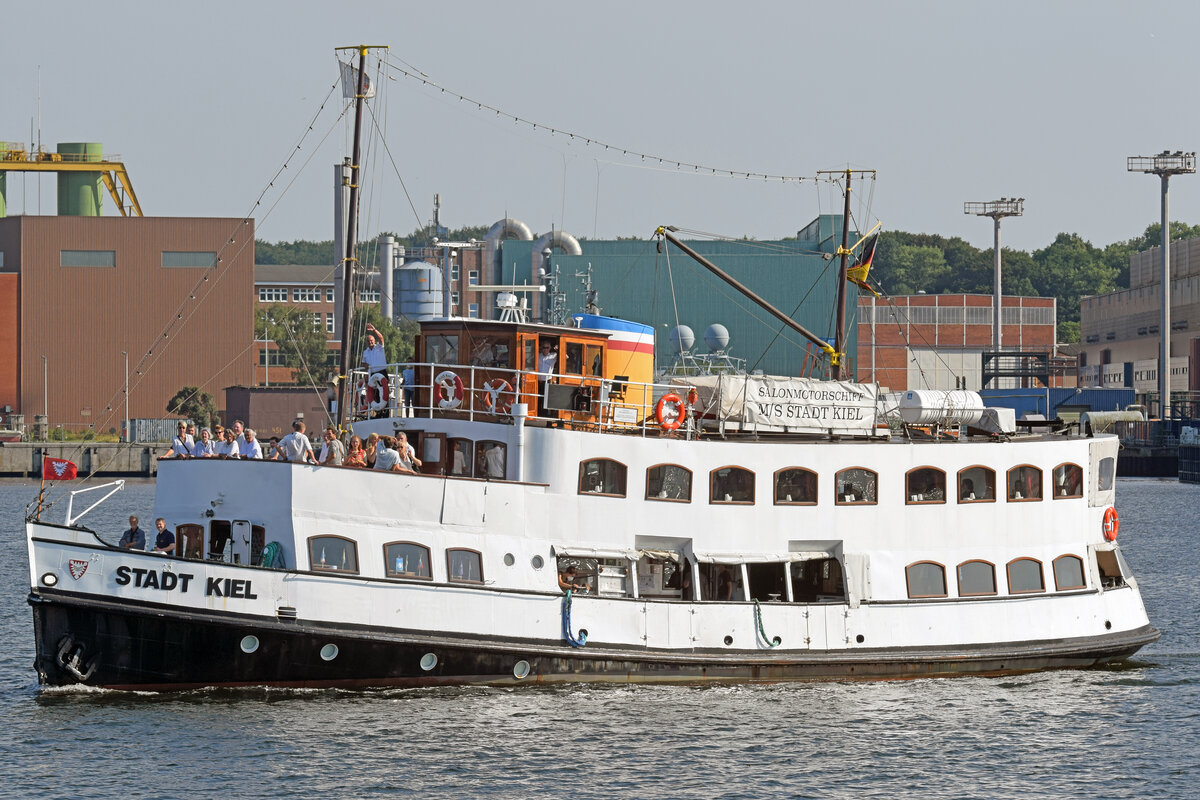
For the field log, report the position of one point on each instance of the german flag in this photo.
(857, 274)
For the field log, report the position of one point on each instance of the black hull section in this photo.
(121, 646)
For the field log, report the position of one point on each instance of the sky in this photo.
(947, 101)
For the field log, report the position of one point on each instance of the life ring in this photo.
(669, 411)
(379, 386)
(449, 389)
(494, 392)
(1112, 524)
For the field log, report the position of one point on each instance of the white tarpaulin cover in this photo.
(761, 558)
(797, 404)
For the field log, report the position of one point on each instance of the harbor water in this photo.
(1122, 732)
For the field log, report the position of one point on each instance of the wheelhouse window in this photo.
(795, 486)
(460, 458)
(925, 485)
(1104, 475)
(1025, 575)
(602, 476)
(406, 560)
(1068, 481)
(574, 365)
(731, 485)
(857, 486)
(669, 482)
(1024, 484)
(491, 460)
(1068, 573)
(464, 566)
(976, 578)
(977, 485)
(441, 348)
(926, 579)
(333, 553)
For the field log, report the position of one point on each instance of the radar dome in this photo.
(682, 338)
(716, 337)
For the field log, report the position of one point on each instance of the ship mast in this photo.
(351, 260)
(837, 359)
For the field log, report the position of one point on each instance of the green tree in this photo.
(914, 268)
(191, 403)
(1068, 332)
(397, 337)
(1069, 268)
(300, 337)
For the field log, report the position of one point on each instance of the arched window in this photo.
(926, 579)
(976, 578)
(1024, 484)
(1025, 575)
(407, 560)
(1068, 481)
(464, 566)
(731, 485)
(460, 463)
(1068, 573)
(669, 482)
(795, 486)
(602, 476)
(857, 486)
(334, 553)
(977, 485)
(924, 485)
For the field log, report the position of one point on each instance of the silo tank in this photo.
(419, 290)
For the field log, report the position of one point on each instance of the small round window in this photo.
(538, 562)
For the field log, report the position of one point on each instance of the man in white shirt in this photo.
(547, 363)
(494, 458)
(332, 452)
(374, 360)
(386, 457)
(295, 446)
(249, 445)
(408, 455)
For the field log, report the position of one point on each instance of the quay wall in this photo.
(119, 459)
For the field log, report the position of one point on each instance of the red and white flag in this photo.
(57, 469)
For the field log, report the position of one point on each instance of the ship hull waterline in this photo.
(84, 641)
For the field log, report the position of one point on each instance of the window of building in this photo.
(464, 566)
(1025, 576)
(334, 553)
(926, 579)
(976, 578)
(1104, 475)
(1068, 573)
(491, 460)
(925, 485)
(731, 485)
(602, 476)
(87, 258)
(329, 323)
(1068, 481)
(453, 301)
(316, 321)
(407, 560)
(473, 277)
(189, 258)
(272, 294)
(368, 296)
(329, 295)
(1, 259)
(1024, 484)
(272, 358)
(455, 274)
(473, 310)
(857, 485)
(976, 485)
(979, 315)
(669, 482)
(306, 295)
(795, 486)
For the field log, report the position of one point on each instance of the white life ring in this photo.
(449, 389)
(376, 382)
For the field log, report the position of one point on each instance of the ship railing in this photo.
(488, 394)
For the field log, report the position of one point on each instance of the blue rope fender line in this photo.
(566, 617)
(771, 642)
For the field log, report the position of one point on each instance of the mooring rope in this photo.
(566, 615)
(771, 642)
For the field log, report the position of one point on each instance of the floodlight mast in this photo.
(1164, 165)
(997, 210)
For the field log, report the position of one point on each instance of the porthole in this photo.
(583, 634)
(509, 559)
(521, 669)
(860, 638)
(538, 562)
(249, 644)
(728, 640)
(428, 661)
(1108, 624)
(329, 652)
(50, 579)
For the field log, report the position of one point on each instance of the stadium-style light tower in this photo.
(1164, 165)
(997, 210)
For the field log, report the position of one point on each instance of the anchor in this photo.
(70, 658)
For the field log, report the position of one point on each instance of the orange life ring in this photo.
(669, 418)
(1112, 524)
(449, 389)
(494, 392)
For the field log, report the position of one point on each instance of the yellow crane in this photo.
(14, 157)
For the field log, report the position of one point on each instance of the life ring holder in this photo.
(1111, 525)
(669, 418)
(449, 389)
(494, 392)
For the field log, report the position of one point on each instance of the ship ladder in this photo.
(566, 617)
(771, 642)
